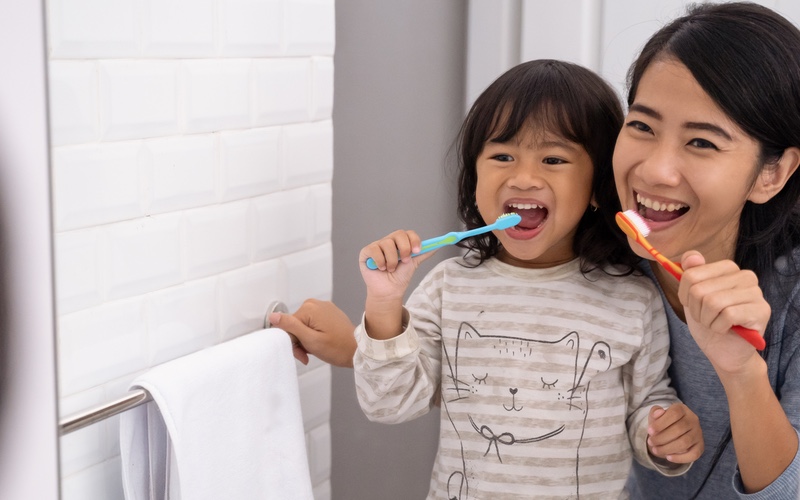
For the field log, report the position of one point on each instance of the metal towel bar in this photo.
(132, 399)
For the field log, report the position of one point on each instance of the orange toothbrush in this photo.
(634, 226)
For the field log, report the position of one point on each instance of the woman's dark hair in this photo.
(747, 59)
(569, 100)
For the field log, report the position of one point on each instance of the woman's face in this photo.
(683, 165)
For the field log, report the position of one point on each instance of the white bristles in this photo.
(637, 220)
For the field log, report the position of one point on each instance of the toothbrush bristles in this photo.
(637, 221)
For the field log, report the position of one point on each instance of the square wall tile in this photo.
(138, 99)
(308, 274)
(216, 94)
(322, 203)
(245, 294)
(178, 28)
(315, 396)
(283, 90)
(88, 446)
(87, 29)
(217, 239)
(100, 344)
(283, 223)
(142, 255)
(95, 184)
(249, 162)
(182, 320)
(73, 102)
(99, 482)
(319, 439)
(77, 270)
(251, 28)
(181, 172)
(307, 154)
(322, 88)
(310, 27)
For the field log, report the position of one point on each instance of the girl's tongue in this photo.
(531, 217)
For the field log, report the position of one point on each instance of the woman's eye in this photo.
(553, 161)
(642, 127)
(702, 144)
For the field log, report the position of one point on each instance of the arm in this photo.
(715, 297)
(321, 329)
(398, 379)
(664, 433)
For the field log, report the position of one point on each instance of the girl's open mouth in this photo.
(533, 215)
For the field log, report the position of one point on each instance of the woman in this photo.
(708, 155)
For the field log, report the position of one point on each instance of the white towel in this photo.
(224, 424)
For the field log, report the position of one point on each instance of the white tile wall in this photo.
(192, 163)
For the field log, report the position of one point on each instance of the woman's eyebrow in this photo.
(705, 126)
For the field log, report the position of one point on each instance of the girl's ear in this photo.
(772, 179)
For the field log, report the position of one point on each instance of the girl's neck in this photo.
(670, 287)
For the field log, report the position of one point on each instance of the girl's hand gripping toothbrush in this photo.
(505, 221)
(634, 226)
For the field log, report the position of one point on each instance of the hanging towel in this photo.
(224, 424)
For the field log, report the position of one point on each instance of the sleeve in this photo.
(647, 384)
(787, 485)
(398, 379)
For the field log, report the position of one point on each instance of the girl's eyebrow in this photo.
(708, 127)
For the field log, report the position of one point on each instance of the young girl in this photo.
(548, 355)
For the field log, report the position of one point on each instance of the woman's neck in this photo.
(670, 286)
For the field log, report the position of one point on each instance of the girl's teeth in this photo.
(524, 206)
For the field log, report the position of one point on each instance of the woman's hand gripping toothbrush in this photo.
(634, 226)
(505, 221)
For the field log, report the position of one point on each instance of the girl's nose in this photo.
(525, 177)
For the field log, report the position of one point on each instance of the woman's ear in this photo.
(772, 178)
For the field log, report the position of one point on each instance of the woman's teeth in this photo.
(657, 206)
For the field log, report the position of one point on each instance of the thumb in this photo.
(287, 323)
(655, 414)
(691, 259)
(290, 325)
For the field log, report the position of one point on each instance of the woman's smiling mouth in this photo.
(659, 211)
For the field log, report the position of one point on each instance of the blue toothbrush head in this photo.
(506, 221)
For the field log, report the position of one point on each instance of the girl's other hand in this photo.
(716, 297)
(674, 434)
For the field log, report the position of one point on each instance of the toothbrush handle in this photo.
(427, 246)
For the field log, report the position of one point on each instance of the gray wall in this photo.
(398, 103)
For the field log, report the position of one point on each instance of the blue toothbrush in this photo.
(505, 221)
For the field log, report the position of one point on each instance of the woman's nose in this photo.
(660, 167)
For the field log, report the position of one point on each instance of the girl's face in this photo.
(683, 165)
(544, 178)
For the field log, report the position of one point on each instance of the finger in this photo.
(687, 457)
(691, 259)
(661, 419)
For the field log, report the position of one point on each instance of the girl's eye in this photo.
(702, 144)
(642, 127)
(553, 161)
(502, 157)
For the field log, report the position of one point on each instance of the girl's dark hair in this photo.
(747, 59)
(569, 100)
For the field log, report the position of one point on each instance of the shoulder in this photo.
(613, 281)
